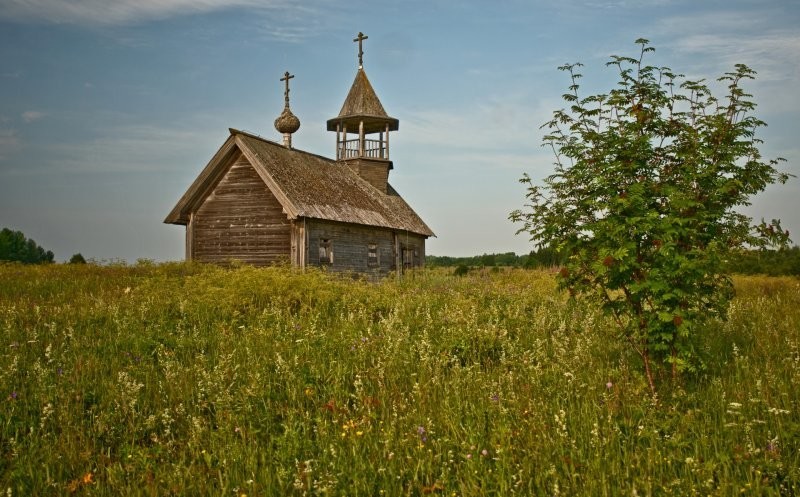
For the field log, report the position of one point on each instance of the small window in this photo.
(372, 255)
(325, 251)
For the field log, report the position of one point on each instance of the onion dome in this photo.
(287, 122)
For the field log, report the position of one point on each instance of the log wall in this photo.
(375, 172)
(242, 220)
(351, 245)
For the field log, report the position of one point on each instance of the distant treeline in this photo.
(15, 247)
(769, 262)
(537, 258)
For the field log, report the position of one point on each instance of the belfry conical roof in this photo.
(362, 104)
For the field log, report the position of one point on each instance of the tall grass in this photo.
(182, 379)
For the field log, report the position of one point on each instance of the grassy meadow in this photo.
(183, 379)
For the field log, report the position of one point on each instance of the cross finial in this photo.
(286, 77)
(360, 38)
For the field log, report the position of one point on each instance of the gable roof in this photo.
(363, 104)
(306, 185)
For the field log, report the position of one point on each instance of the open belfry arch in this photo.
(263, 202)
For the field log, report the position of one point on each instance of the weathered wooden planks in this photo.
(240, 219)
(351, 246)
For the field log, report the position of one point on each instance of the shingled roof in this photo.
(306, 185)
(362, 105)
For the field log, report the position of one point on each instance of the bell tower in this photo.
(363, 116)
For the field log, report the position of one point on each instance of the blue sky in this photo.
(110, 109)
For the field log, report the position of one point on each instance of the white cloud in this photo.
(119, 11)
(485, 128)
(32, 115)
(283, 20)
(718, 40)
(123, 149)
(141, 148)
(774, 54)
(296, 22)
(627, 4)
(712, 43)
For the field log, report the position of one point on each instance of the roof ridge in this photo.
(235, 131)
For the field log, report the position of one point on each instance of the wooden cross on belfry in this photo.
(286, 77)
(360, 38)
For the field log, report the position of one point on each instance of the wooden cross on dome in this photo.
(360, 38)
(286, 77)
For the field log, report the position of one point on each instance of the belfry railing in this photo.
(373, 149)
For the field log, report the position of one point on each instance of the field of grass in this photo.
(183, 379)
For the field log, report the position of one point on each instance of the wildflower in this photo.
(609, 385)
(88, 478)
(775, 410)
(422, 434)
(13, 396)
(469, 456)
(484, 452)
(494, 397)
